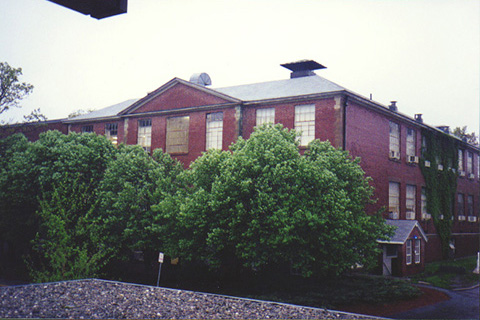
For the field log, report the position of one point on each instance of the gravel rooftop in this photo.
(100, 299)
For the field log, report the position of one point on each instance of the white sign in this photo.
(160, 257)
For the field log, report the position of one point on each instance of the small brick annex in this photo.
(346, 119)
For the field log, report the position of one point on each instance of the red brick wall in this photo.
(32, 130)
(180, 96)
(328, 118)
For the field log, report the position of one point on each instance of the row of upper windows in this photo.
(411, 202)
(465, 168)
(178, 129)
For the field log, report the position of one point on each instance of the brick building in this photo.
(185, 118)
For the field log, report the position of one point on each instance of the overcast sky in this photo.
(423, 54)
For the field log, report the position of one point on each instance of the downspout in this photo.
(345, 104)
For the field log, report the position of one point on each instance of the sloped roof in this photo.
(403, 231)
(281, 88)
(107, 112)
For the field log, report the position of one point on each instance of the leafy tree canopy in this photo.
(11, 89)
(263, 205)
(465, 136)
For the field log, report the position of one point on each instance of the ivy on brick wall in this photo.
(439, 167)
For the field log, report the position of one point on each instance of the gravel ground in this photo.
(87, 299)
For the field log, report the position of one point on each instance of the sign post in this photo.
(160, 260)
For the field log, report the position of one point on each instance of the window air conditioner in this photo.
(394, 154)
(426, 216)
(440, 217)
(427, 163)
(471, 176)
(440, 167)
(412, 159)
(393, 215)
(472, 219)
(461, 218)
(410, 215)
(461, 173)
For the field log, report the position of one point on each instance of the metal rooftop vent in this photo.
(202, 79)
(302, 68)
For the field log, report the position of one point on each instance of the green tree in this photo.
(265, 205)
(32, 174)
(132, 184)
(66, 245)
(11, 89)
(465, 136)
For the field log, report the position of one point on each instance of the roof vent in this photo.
(202, 79)
(393, 106)
(418, 117)
(302, 68)
(445, 129)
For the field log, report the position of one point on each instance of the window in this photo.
(460, 160)
(460, 206)
(394, 140)
(410, 201)
(144, 137)
(417, 250)
(305, 123)
(214, 130)
(177, 134)
(469, 162)
(393, 199)
(411, 135)
(111, 132)
(409, 252)
(470, 205)
(87, 129)
(265, 116)
(423, 204)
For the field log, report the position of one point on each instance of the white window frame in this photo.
(264, 115)
(214, 131)
(418, 246)
(394, 200)
(460, 206)
(111, 132)
(469, 162)
(394, 142)
(410, 201)
(411, 143)
(460, 160)
(305, 123)
(408, 252)
(144, 134)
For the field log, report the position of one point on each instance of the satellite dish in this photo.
(202, 79)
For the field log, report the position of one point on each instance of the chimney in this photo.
(302, 68)
(418, 117)
(393, 106)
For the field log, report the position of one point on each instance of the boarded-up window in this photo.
(214, 134)
(144, 137)
(266, 115)
(177, 134)
(393, 199)
(305, 123)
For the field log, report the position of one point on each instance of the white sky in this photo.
(423, 53)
